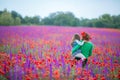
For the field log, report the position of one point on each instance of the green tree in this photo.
(6, 18)
(61, 19)
(75, 22)
(35, 20)
(84, 21)
(17, 21)
(116, 21)
(46, 21)
(15, 14)
(27, 20)
(1, 12)
(106, 20)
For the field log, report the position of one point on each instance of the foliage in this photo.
(17, 21)
(60, 19)
(6, 18)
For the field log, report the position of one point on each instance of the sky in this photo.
(80, 8)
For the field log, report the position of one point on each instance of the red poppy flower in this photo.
(83, 33)
(56, 74)
(27, 77)
(2, 72)
(102, 78)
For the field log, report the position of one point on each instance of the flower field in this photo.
(44, 53)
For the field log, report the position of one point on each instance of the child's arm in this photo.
(72, 41)
(79, 43)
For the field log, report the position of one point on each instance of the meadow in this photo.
(44, 53)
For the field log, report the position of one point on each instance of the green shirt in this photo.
(86, 49)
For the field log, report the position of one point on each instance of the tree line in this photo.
(59, 19)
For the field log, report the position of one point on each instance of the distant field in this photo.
(44, 53)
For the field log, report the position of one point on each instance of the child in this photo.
(76, 41)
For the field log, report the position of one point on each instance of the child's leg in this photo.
(81, 56)
(77, 58)
(84, 63)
